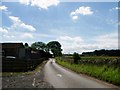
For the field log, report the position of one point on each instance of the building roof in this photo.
(12, 45)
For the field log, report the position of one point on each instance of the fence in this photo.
(19, 65)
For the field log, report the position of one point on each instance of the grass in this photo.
(93, 57)
(106, 73)
(98, 57)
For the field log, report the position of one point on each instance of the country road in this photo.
(60, 77)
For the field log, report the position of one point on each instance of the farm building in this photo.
(13, 49)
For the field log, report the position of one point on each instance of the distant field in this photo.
(98, 58)
(94, 57)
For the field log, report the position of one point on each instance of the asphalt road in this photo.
(60, 77)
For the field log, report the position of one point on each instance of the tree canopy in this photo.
(26, 45)
(52, 46)
(55, 48)
(39, 46)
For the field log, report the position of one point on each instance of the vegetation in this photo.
(53, 46)
(107, 73)
(76, 57)
(38, 46)
(102, 52)
(26, 45)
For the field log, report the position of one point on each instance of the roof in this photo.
(12, 45)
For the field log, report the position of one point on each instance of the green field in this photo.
(98, 58)
(94, 57)
(107, 73)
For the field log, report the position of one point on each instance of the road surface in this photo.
(60, 77)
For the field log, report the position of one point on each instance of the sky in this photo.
(78, 26)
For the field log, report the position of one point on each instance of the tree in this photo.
(38, 46)
(76, 57)
(55, 48)
(26, 45)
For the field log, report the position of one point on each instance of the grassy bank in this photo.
(106, 73)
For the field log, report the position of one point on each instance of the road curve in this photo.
(60, 77)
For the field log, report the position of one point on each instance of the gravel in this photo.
(33, 80)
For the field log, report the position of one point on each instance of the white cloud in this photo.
(70, 44)
(81, 11)
(42, 4)
(15, 19)
(9, 36)
(17, 23)
(108, 40)
(115, 8)
(3, 31)
(77, 44)
(25, 2)
(3, 8)
(27, 35)
(74, 17)
(18, 37)
(18, 31)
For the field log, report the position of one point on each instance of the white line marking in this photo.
(59, 75)
(33, 82)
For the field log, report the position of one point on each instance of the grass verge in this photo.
(109, 74)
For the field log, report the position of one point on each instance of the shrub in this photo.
(76, 57)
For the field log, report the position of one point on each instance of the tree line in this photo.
(53, 47)
(102, 52)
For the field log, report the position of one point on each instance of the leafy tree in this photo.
(76, 57)
(26, 45)
(38, 46)
(55, 48)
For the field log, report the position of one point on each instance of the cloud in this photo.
(115, 8)
(18, 31)
(3, 8)
(18, 24)
(15, 19)
(3, 31)
(107, 41)
(78, 44)
(27, 35)
(17, 36)
(41, 4)
(25, 2)
(9, 36)
(81, 11)
(70, 44)
(74, 18)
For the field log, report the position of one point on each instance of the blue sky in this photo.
(78, 26)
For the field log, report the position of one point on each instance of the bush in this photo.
(76, 57)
